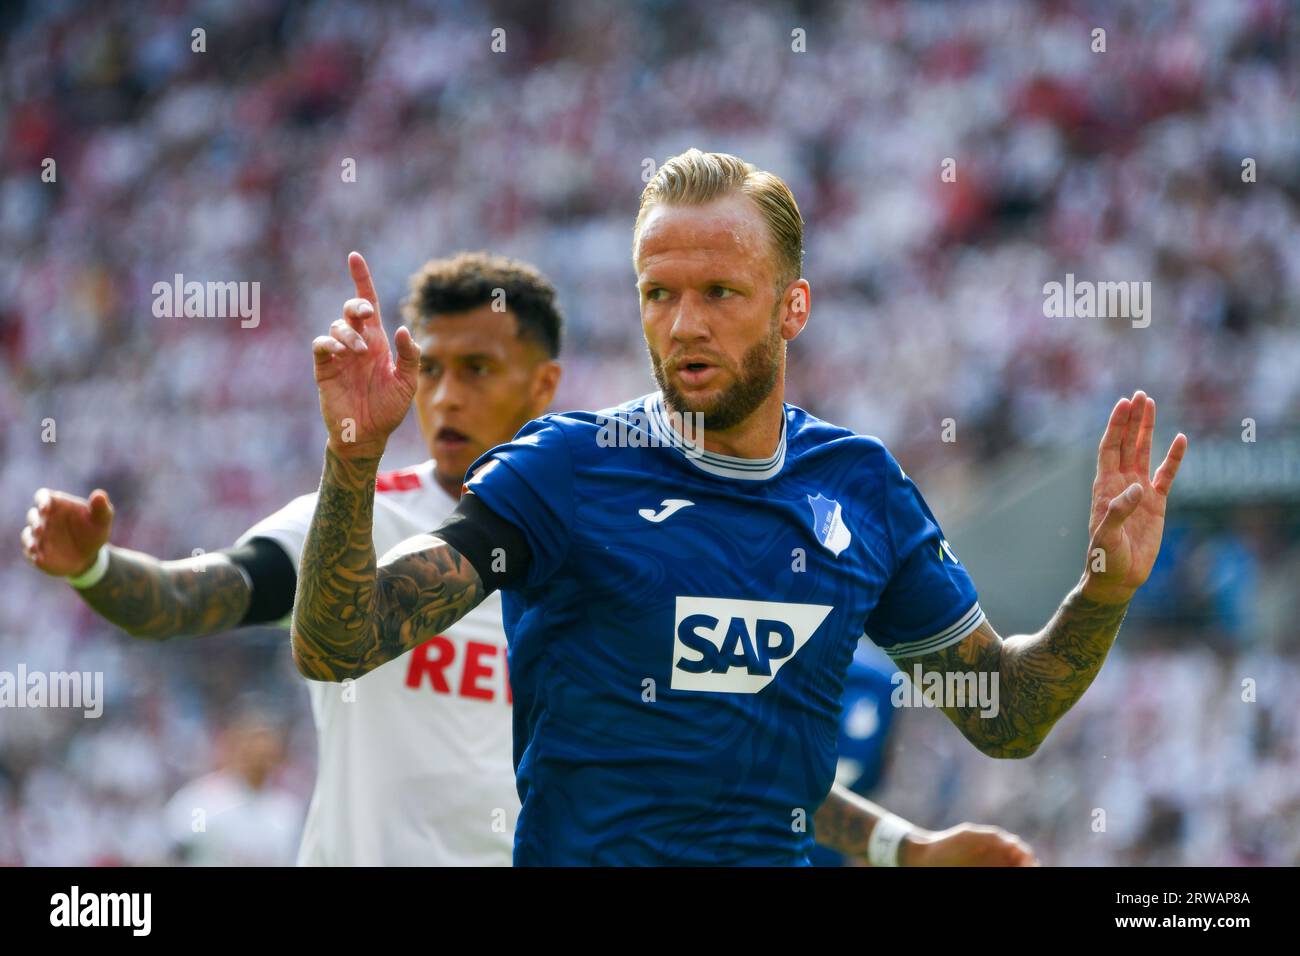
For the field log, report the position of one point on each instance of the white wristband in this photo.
(886, 838)
(90, 577)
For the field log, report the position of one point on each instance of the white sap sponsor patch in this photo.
(724, 645)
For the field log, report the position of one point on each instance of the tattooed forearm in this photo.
(160, 599)
(844, 821)
(350, 615)
(1040, 676)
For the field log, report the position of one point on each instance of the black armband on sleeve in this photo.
(273, 576)
(494, 547)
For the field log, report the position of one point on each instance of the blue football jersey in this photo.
(866, 717)
(679, 646)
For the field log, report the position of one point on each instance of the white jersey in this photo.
(221, 821)
(415, 761)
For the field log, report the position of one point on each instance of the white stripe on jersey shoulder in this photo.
(405, 479)
(963, 627)
(724, 466)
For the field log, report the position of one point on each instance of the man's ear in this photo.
(546, 379)
(795, 308)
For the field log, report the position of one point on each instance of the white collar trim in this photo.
(724, 466)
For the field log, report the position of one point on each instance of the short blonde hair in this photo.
(695, 178)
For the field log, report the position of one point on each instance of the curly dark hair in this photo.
(468, 280)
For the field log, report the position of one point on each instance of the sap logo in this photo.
(728, 646)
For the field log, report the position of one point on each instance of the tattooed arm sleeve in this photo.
(351, 614)
(160, 599)
(844, 823)
(1038, 676)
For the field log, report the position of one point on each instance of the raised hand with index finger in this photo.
(365, 388)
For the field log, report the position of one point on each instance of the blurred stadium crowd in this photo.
(226, 165)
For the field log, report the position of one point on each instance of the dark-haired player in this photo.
(414, 758)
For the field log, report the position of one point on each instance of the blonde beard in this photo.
(760, 372)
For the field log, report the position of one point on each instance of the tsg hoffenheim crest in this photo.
(828, 524)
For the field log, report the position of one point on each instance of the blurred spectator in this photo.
(238, 815)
